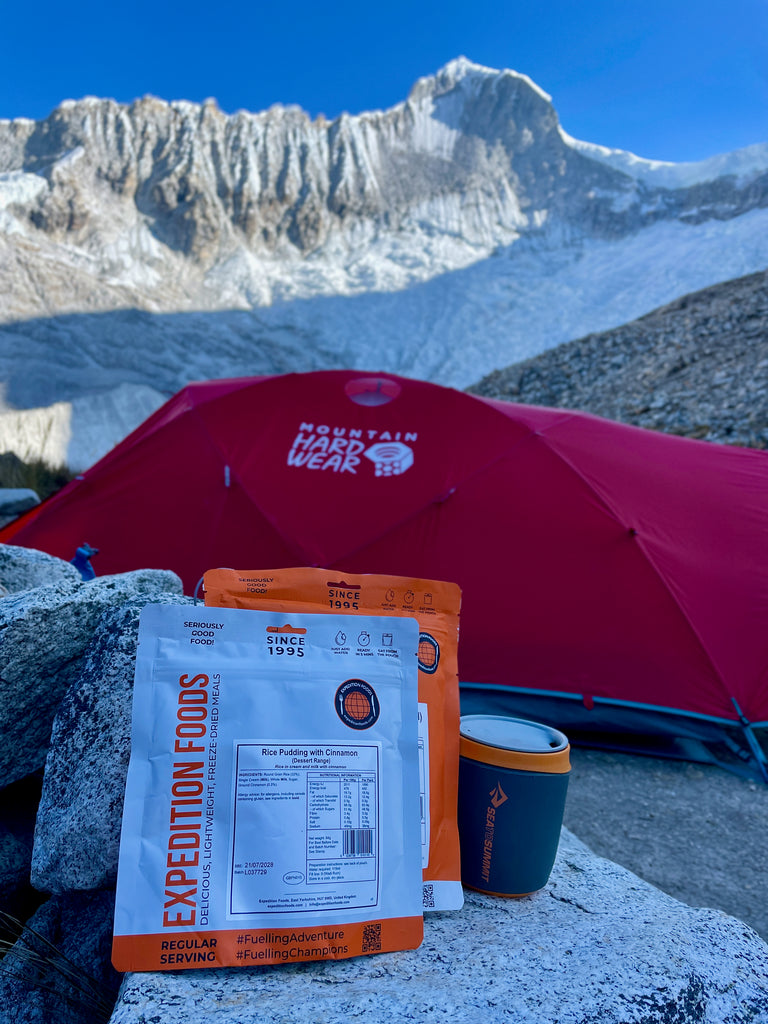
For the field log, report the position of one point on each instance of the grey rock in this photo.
(697, 367)
(77, 835)
(43, 634)
(15, 500)
(596, 944)
(71, 979)
(25, 569)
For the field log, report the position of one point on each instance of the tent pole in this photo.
(754, 745)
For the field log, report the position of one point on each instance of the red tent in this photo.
(600, 561)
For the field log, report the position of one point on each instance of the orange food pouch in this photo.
(436, 607)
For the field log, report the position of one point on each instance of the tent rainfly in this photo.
(613, 571)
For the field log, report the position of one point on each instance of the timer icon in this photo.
(364, 639)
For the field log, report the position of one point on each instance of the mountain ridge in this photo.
(473, 155)
(145, 245)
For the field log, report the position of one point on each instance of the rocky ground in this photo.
(696, 831)
(697, 367)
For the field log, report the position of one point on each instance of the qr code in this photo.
(428, 896)
(371, 937)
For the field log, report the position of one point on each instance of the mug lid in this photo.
(513, 743)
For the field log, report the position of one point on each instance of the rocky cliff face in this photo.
(697, 367)
(175, 205)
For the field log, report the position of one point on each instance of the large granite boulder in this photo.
(77, 835)
(25, 568)
(59, 968)
(596, 944)
(43, 634)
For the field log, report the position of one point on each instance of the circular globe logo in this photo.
(356, 704)
(429, 653)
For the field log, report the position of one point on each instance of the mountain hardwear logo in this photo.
(340, 449)
(498, 796)
(390, 458)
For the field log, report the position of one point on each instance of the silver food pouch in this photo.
(272, 801)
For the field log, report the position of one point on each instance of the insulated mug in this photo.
(513, 778)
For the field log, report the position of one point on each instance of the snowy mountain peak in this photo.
(464, 72)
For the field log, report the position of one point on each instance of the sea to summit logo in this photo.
(342, 449)
(498, 796)
(356, 704)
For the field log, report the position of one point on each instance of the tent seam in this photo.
(530, 433)
(289, 543)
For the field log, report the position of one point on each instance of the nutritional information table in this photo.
(341, 826)
(305, 828)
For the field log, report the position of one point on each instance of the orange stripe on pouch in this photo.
(253, 947)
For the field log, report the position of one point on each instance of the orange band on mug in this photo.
(504, 895)
(556, 763)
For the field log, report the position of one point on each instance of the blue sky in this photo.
(666, 80)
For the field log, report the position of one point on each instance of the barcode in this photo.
(357, 842)
(428, 895)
